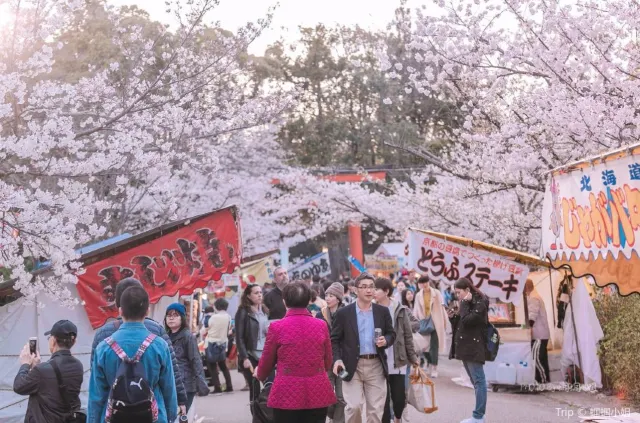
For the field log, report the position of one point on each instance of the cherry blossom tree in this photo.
(77, 159)
(541, 84)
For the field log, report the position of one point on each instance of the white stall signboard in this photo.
(316, 265)
(497, 276)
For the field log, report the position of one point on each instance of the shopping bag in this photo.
(421, 343)
(422, 393)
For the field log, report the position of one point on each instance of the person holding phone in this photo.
(469, 344)
(47, 402)
(359, 355)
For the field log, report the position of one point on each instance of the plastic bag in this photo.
(422, 391)
(421, 343)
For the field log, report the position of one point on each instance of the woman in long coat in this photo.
(435, 309)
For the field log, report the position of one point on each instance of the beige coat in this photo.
(438, 313)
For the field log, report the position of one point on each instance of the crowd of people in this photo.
(341, 350)
(355, 365)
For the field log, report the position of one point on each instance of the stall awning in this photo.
(498, 272)
(180, 256)
(518, 256)
(591, 217)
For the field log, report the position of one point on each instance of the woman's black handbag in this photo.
(216, 352)
(259, 409)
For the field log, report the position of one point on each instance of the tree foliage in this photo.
(84, 146)
(539, 84)
(344, 110)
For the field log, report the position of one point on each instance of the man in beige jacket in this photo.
(429, 303)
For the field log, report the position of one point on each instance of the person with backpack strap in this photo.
(470, 323)
(152, 326)
(131, 375)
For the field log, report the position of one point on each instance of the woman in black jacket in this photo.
(469, 344)
(251, 323)
(187, 353)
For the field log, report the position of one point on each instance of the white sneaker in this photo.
(472, 420)
(405, 415)
(434, 373)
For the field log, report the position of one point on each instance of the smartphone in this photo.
(342, 374)
(33, 344)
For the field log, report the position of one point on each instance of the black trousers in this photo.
(541, 359)
(314, 415)
(396, 395)
(254, 385)
(215, 379)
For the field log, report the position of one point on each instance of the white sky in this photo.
(370, 14)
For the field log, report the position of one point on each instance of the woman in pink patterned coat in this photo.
(301, 347)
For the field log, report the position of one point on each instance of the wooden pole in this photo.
(553, 303)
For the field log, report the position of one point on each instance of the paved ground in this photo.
(454, 402)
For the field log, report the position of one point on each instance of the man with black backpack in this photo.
(53, 387)
(131, 374)
(152, 326)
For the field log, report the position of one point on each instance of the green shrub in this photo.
(620, 349)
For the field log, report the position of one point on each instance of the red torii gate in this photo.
(354, 228)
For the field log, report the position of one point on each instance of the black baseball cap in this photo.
(63, 329)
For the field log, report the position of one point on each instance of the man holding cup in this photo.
(361, 332)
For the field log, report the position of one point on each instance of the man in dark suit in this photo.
(361, 354)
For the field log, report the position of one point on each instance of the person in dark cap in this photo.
(152, 326)
(48, 403)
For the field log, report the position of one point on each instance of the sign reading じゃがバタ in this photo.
(445, 261)
(591, 218)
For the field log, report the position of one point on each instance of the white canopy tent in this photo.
(21, 320)
(548, 292)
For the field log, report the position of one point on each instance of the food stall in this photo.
(498, 272)
(171, 260)
(387, 259)
(590, 219)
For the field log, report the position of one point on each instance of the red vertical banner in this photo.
(355, 245)
(184, 259)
